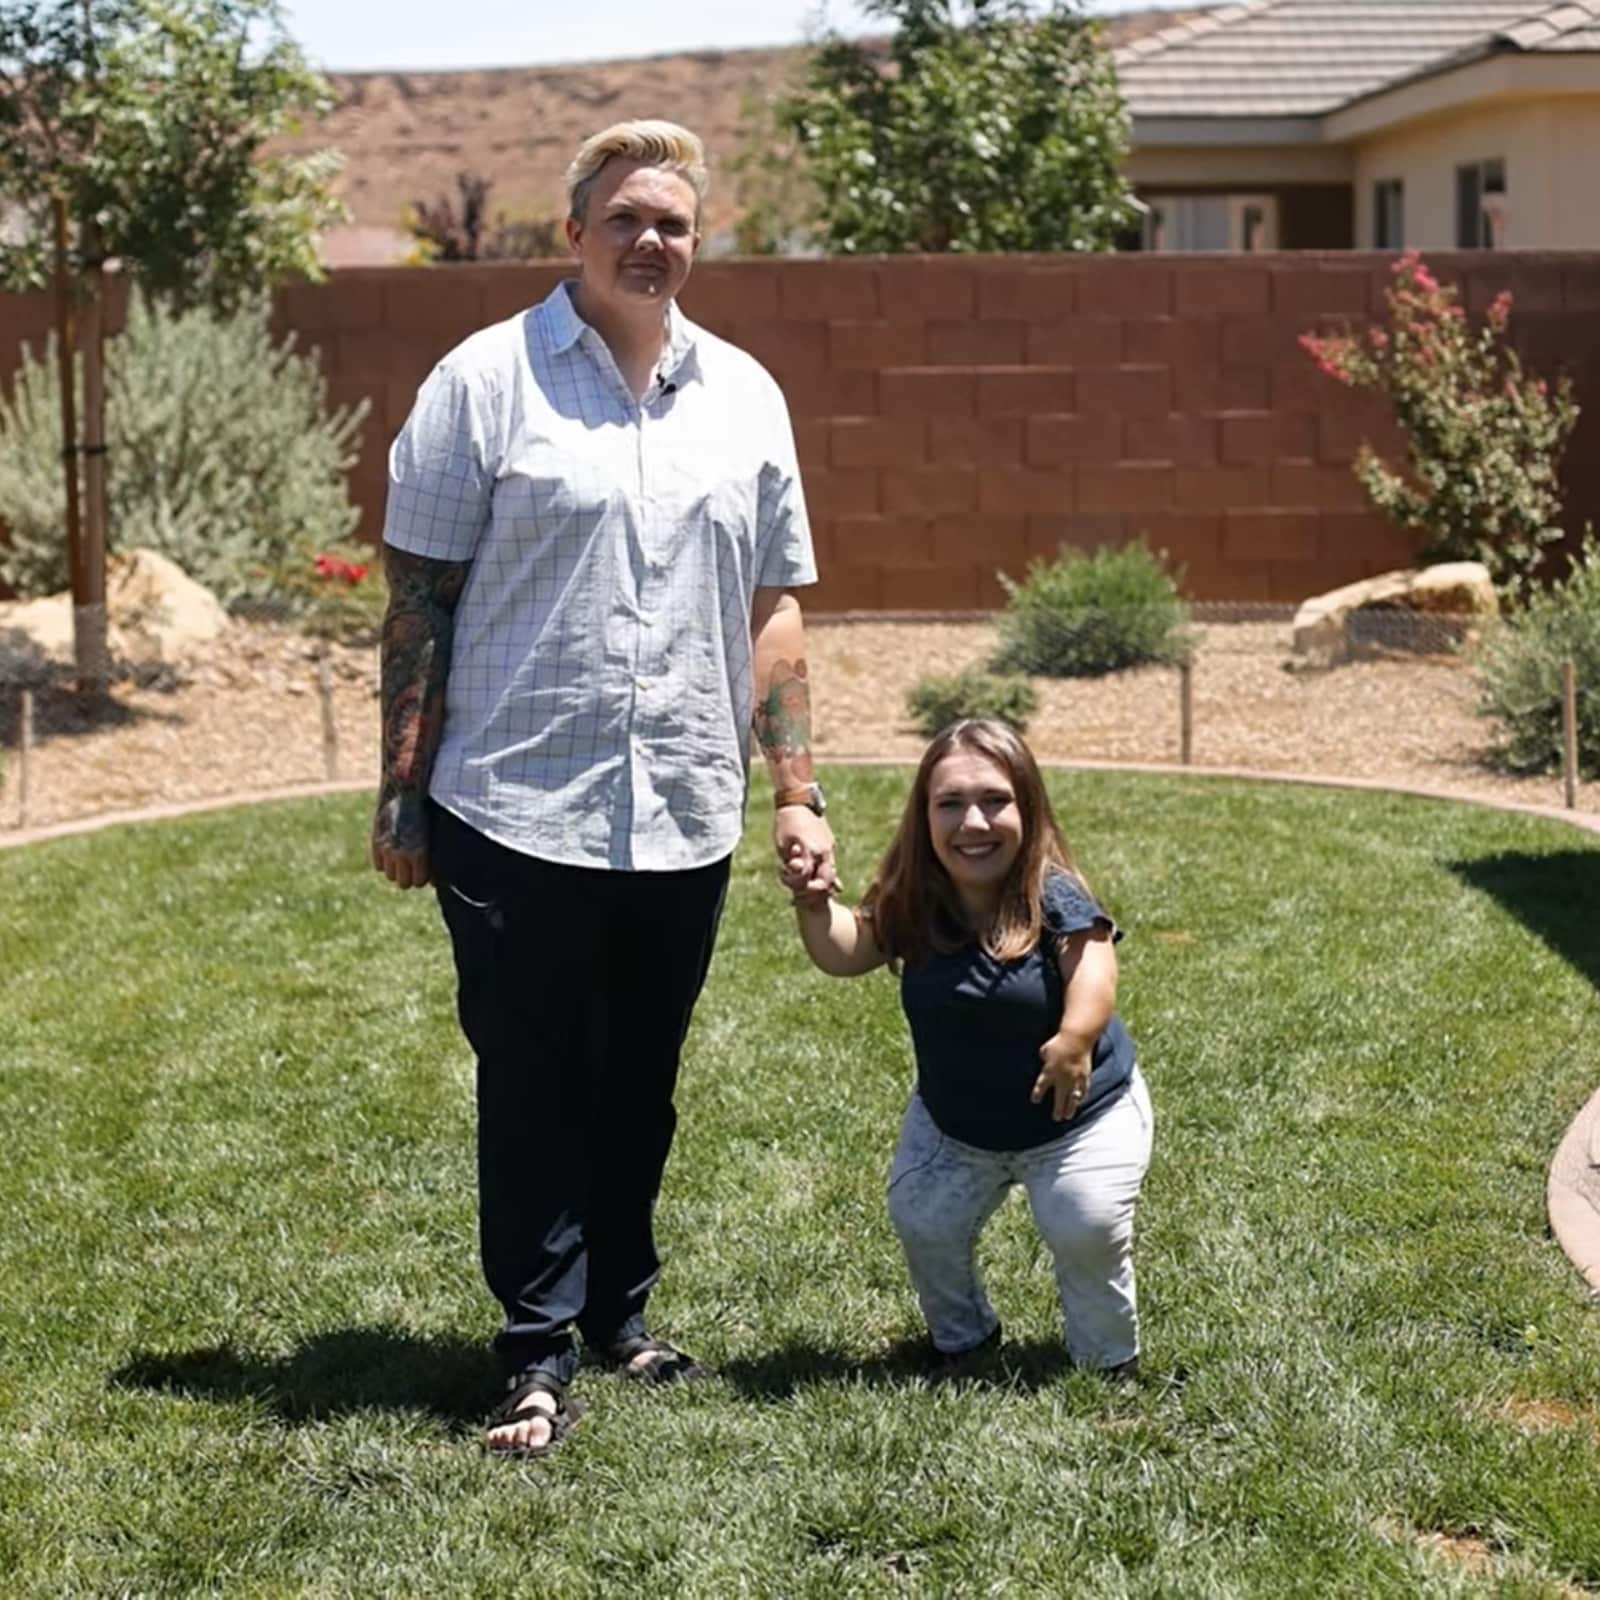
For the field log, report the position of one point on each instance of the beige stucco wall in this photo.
(1242, 167)
(1549, 147)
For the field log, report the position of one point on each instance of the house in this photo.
(1373, 124)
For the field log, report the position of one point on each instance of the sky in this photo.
(368, 35)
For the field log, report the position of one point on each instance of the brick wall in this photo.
(956, 415)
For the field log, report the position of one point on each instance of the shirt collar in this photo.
(564, 328)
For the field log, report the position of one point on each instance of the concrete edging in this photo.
(1572, 1189)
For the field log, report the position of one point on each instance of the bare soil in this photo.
(246, 716)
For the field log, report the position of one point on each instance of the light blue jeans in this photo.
(1081, 1189)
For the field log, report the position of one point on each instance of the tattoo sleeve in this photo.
(417, 630)
(783, 722)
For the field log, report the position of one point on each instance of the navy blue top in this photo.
(977, 1025)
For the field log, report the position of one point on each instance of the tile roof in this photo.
(1569, 25)
(1302, 58)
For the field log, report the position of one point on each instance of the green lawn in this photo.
(241, 1327)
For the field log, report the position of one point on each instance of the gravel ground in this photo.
(246, 716)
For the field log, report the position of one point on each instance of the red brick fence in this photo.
(959, 415)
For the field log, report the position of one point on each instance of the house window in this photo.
(1480, 205)
(1389, 214)
(1212, 222)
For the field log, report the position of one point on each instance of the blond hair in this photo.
(659, 144)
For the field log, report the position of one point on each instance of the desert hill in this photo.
(406, 136)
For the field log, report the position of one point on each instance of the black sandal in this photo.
(667, 1364)
(513, 1410)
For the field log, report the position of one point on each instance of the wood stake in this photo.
(330, 729)
(24, 757)
(1569, 730)
(1186, 710)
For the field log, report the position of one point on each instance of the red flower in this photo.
(351, 572)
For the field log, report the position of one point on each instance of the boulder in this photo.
(1411, 611)
(1456, 588)
(155, 614)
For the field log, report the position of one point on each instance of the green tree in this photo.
(132, 132)
(988, 128)
(148, 117)
(778, 208)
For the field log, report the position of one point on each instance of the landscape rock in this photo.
(155, 615)
(1416, 610)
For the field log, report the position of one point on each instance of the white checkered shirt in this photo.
(599, 701)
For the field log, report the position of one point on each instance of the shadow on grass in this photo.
(1554, 896)
(333, 1374)
(1028, 1366)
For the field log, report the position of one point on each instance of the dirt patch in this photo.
(1407, 722)
(1471, 1554)
(1533, 1415)
(245, 715)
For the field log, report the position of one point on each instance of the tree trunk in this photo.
(66, 352)
(89, 606)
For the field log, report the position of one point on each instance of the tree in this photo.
(131, 133)
(989, 128)
(776, 198)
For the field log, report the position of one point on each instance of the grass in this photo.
(241, 1329)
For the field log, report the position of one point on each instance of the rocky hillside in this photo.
(406, 135)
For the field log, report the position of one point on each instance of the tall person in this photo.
(595, 526)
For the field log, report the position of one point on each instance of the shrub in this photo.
(1519, 671)
(460, 230)
(1483, 437)
(935, 703)
(337, 594)
(1080, 615)
(223, 456)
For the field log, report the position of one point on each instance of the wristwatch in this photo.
(809, 795)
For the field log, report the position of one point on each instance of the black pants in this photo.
(575, 989)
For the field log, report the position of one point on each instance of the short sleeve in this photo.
(784, 558)
(441, 479)
(1069, 908)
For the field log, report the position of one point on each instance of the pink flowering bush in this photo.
(1483, 437)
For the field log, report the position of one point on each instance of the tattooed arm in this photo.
(783, 730)
(416, 660)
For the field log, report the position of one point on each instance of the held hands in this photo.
(1064, 1072)
(804, 843)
